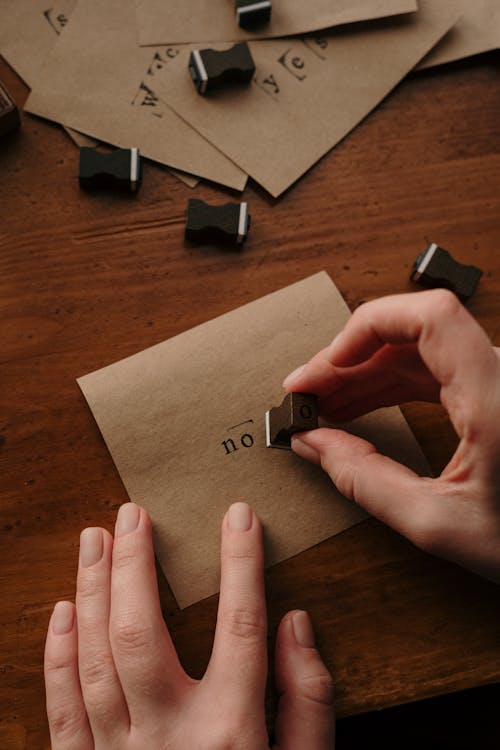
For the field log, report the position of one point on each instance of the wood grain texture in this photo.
(88, 279)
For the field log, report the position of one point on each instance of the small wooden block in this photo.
(9, 113)
(227, 224)
(252, 13)
(119, 169)
(436, 267)
(298, 412)
(210, 69)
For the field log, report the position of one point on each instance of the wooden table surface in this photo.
(88, 279)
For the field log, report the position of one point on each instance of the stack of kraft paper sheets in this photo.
(118, 72)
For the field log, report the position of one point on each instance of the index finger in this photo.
(451, 344)
(238, 666)
(431, 318)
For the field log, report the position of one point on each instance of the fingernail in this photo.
(293, 376)
(305, 451)
(240, 517)
(302, 629)
(128, 519)
(62, 618)
(91, 546)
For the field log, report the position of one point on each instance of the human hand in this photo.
(423, 346)
(113, 678)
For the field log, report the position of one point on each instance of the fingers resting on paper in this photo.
(113, 678)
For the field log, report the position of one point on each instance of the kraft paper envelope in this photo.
(181, 21)
(307, 93)
(96, 80)
(478, 30)
(184, 422)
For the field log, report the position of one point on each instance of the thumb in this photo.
(385, 488)
(305, 715)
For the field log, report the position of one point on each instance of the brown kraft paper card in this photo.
(307, 94)
(478, 30)
(184, 422)
(181, 21)
(97, 81)
(28, 33)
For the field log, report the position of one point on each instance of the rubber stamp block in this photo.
(228, 223)
(9, 113)
(252, 13)
(298, 412)
(119, 169)
(211, 69)
(436, 267)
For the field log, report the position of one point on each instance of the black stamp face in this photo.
(306, 411)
